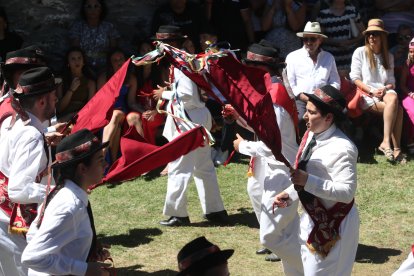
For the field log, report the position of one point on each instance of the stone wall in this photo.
(46, 22)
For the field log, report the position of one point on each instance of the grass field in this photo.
(127, 217)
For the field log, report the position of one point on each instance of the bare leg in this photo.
(134, 119)
(112, 130)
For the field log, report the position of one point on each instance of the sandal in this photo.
(389, 153)
(401, 158)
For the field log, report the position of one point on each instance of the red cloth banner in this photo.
(98, 111)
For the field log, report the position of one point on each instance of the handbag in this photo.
(353, 97)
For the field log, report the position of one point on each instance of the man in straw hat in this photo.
(270, 176)
(310, 67)
(23, 164)
(54, 248)
(200, 257)
(325, 181)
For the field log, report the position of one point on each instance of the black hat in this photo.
(200, 255)
(168, 33)
(331, 98)
(260, 54)
(31, 56)
(76, 147)
(34, 82)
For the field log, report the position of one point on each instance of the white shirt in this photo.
(332, 173)
(376, 78)
(22, 159)
(61, 245)
(304, 76)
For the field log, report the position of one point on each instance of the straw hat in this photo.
(375, 25)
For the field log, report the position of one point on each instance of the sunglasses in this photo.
(91, 7)
(411, 44)
(310, 39)
(373, 33)
(404, 37)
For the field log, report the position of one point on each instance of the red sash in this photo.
(325, 232)
(21, 215)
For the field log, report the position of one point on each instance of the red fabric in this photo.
(281, 97)
(353, 97)
(6, 110)
(139, 157)
(98, 111)
(247, 89)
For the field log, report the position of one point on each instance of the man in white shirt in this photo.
(23, 164)
(310, 67)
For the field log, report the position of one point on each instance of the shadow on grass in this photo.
(374, 255)
(134, 238)
(132, 270)
(244, 217)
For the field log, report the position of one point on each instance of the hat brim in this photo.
(375, 29)
(338, 113)
(80, 157)
(310, 33)
(40, 91)
(168, 39)
(222, 255)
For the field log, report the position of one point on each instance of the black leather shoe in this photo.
(220, 217)
(263, 251)
(176, 221)
(272, 258)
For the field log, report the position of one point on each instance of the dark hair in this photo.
(3, 14)
(109, 72)
(104, 10)
(67, 74)
(402, 27)
(29, 102)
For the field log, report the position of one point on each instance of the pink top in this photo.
(410, 78)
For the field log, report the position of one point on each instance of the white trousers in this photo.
(198, 164)
(255, 185)
(341, 258)
(279, 230)
(407, 267)
(11, 249)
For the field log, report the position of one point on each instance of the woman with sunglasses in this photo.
(372, 71)
(93, 34)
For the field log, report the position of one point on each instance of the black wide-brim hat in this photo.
(168, 33)
(76, 147)
(200, 255)
(264, 55)
(29, 57)
(35, 82)
(331, 98)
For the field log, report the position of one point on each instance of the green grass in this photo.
(127, 217)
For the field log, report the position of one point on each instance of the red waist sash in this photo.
(21, 215)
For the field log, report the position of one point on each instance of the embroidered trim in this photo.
(258, 57)
(25, 89)
(327, 99)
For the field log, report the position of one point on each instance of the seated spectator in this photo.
(200, 257)
(93, 34)
(400, 51)
(407, 89)
(63, 242)
(9, 41)
(341, 22)
(77, 87)
(281, 19)
(125, 102)
(181, 13)
(372, 71)
(148, 77)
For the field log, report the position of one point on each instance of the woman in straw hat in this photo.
(63, 242)
(372, 71)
